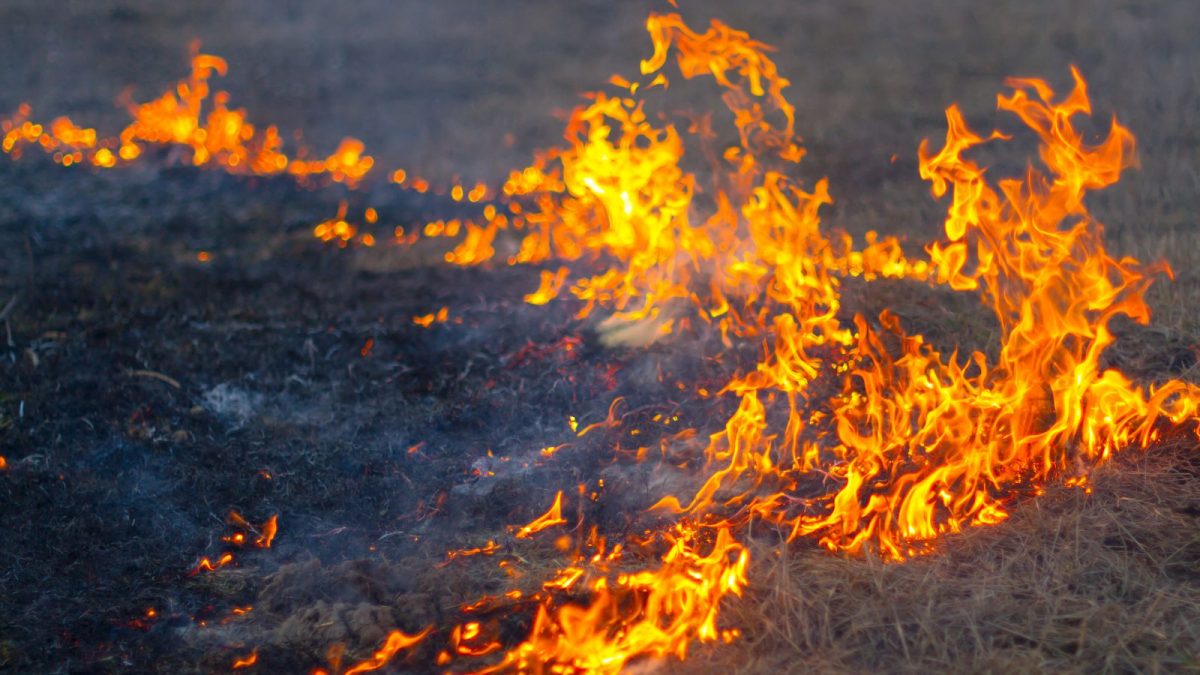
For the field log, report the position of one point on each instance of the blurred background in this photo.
(470, 88)
(437, 84)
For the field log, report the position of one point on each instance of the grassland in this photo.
(1075, 582)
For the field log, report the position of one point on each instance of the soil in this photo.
(148, 394)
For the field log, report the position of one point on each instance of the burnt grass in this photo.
(304, 390)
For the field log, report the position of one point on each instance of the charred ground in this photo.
(304, 389)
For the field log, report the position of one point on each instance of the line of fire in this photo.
(646, 402)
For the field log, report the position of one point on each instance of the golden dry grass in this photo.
(1106, 582)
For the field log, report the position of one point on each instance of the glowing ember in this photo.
(262, 538)
(911, 444)
(267, 533)
(246, 661)
(427, 320)
(490, 548)
(336, 228)
(396, 642)
(206, 565)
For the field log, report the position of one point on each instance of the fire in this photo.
(655, 612)
(551, 286)
(206, 565)
(490, 548)
(268, 532)
(263, 537)
(922, 444)
(913, 444)
(336, 228)
(196, 120)
(553, 516)
(396, 642)
(246, 661)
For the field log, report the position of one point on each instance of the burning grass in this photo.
(1094, 582)
(730, 366)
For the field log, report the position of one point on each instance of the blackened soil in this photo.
(145, 394)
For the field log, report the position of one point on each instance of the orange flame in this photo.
(925, 445)
(914, 444)
(268, 532)
(396, 642)
(427, 320)
(206, 565)
(191, 117)
(658, 612)
(552, 516)
(246, 661)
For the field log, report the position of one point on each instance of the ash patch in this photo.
(236, 406)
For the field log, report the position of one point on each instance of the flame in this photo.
(551, 285)
(913, 444)
(206, 565)
(246, 661)
(263, 537)
(617, 192)
(656, 612)
(552, 516)
(468, 640)
(395, 643)
(924, 444)
(196, 120)
(490, 548)
(268, 532)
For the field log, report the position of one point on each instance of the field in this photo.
(146, 393)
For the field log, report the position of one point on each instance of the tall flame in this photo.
(913, 444)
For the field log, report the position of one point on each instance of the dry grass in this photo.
(1106, 582)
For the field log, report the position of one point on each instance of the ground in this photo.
(145, 394)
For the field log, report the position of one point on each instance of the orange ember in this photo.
(206, 565)
(490, 548)
(246, 661)
(427, 320)
(267, 532)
